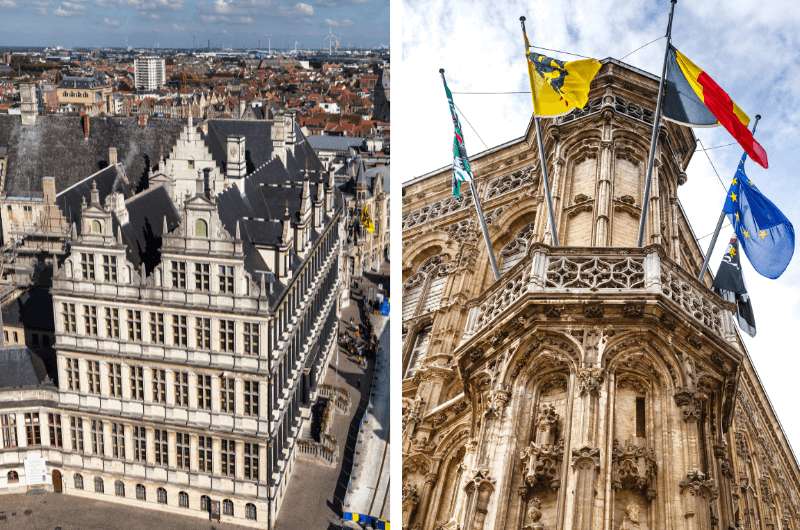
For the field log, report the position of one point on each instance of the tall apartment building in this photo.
(190, 339)
(596, 384)
(149, 72)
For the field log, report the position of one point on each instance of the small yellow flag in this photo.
(559, 86)
(366, 220)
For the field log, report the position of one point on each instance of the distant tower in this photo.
(149, 72)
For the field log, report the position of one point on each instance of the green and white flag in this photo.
(462, 172)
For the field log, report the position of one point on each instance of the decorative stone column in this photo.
(479, 491)
(586, 463)
(604, 185)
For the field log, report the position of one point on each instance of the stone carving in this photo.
(591, 107)
(586, 457)
(679, 288)
(438, 209)
(410, 497)
(630, 521)
(518, 247)
(542, 465)
(698, 484)
(589, 381)
(594, 344)
(533, 515)
(595, 273)
(633, 310)
(691, 403)
(623, 106)
(633, 467)
(508, 183)
(496, 401)
(507, 292)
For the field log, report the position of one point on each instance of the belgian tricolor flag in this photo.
(693, 98)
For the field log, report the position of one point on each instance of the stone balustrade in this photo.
(554, 272)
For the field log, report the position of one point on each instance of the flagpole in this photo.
(542, 160)
(654, 137)
(481, 219)
(721, 219)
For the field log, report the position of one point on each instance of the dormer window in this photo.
(200, 228)
(97, 227)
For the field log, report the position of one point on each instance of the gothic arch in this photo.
(539, 347)
(661, 355)
(424, 247)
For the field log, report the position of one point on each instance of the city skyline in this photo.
(278, 24)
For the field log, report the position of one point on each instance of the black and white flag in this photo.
(729, 283)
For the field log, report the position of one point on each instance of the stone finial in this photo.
(95, 194)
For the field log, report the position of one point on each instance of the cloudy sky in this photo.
(747, 46)
(177, 23)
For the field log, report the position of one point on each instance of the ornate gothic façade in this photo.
(595, 385)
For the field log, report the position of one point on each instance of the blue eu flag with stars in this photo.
(765, 234)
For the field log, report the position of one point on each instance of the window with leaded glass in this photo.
(226, 279)
(251, 338)
(90, 319)
(182, 389)
(203, 332)
(228, 454)
(87, 266)
(115, 379)
(68, 314)
(73, 375)
(227, 394)
(251, 461)
(422, 292)
(159, 385)
(110, 268)
(112, 322)
(118, 440)
(157, 328)
(251, 398)
(182, 450)
(97, 437)
(32, 432)
(180, 332)
(139, 444)
(205, 454)
(178, 273)
(54, 422)
(226, 335)
(137, 383)
(204, 392)
(134, 325)
(161, 447)
(418, 351)
(8, 428)
(93, 376)
(202, 276)
(76, 432)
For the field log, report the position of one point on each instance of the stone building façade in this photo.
(192, 330)
(597, 384)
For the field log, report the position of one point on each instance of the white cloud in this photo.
(480, 46)
(344, 23)
(114, 23)
(8, 3)
(304, 9)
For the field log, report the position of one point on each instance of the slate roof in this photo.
(142, 234)
(20, 367)
(33, 309)
(328, 142)
(108, 180)
(55, 146)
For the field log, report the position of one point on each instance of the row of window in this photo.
(161, 496)
(157, 328)
(138, 451)
(158, 386)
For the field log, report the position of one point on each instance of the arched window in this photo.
(183, 499)
(78, 481)
(141, 493)
(200, 228)
(97, 227)
(13, 476)
(227, 507)
(422, 292)
(250, 511)
(162, 496)
(119, 488)
(98, 485)
(516, 249)
(205, 503)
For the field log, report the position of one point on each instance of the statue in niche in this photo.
(547, 426)
(594, 344)
(630, 521)
(533, 515)
(690, 370)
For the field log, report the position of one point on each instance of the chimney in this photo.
(236, 165)
(49, 189)
(120, 210)
(30, 105)
(86, 126)
(200, 183)
(112, 156)
(278, 136)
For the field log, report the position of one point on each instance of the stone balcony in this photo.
(598, 275)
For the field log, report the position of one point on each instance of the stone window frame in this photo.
(433, 271)
(227, 284)
(180, 330)
(251, 460)
(72, 368)
(159, 385)
(161, 496)
(8, 430)
(33, 432)
(69, 316)
(76, 434)
(90, 320)
(112, 322)
(204, 391)
(228, 457)
(109, 268)
(118, 441)
(182, 450)
(119, 488)
(202, 327)
(205, 454)
(161, 447)
(251, 335)
(141, 492)
(96, 432)
(183, 499)
(182, 389)
(93, 376)
(178, 274)
(227, 397)
(54, 425)
(137, 382)
(115, 380)
(227, 335)
(227, 507)
(251, 396)
(78, 481)
(140, 443)
(134, 325)
(202, 277)
(157, 332)
(87, 266)
(99, 485)
(250, 512)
